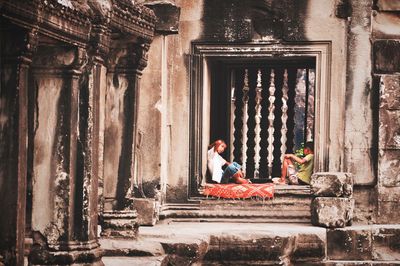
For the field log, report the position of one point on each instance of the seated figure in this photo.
(296, 176)
(215, 162)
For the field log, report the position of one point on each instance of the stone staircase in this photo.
(214, 243)
(291, 204)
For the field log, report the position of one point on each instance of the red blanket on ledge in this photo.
(238, 191)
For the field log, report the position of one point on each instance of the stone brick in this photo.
(119, 224)
(389, 90)
(389, 129)
(147, 210)
(388, 5)
(332, 184)
(388, 193)
(388, 212)
(386, 243)
(192, 250)
(167, 16)
(309, 247)
(385, 25)
(365, 205)
(388, 169)
(237, 247)
(332, 212)
(349, 244)
(386, 56)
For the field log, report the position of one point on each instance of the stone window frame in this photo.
(202, 53)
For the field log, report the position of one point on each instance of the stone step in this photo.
(283, 208)
(216, 243)
(360, 262)
(135, 261)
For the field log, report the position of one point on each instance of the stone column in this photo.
(16, 49)
(65, 136)
(386, 69)
(126, 62)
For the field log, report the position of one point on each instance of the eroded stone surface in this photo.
(386, 243)
(147, 210)
(388, 212)
(389, 129)
(332, 184)
(389, 165)
(237, 247)
(385, 25)
(309, 247)
(389, 90)
(332, 212)
(185, 251)
(349, 244)
(119, 224)
(386, 56)
(388, 5)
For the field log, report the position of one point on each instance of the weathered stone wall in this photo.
(149, 122)
(386, 56)
(230, 22)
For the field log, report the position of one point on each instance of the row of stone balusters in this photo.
(333, 204)
(271, 118)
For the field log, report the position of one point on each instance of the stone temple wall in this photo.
(386, 69)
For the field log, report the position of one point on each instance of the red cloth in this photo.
(240, 191)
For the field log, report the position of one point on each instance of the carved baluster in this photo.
(258, 126)
(271, 118)
(285, 90)
(299, 108)
(245, 118)
(310, 105)
(233, 109)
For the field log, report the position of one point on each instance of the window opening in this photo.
(263, 110)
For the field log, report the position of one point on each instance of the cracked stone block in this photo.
(147, 211)
(389, 90)
(388, 168)
(332, 184)
(349, 244)
(386, 56)
(386, 243)
(332, 212)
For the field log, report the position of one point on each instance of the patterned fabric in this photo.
(239, 191)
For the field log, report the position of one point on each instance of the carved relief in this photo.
(133, 57)
(60, 57)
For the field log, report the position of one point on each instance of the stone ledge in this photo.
(368, 242)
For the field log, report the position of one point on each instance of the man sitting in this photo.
(299, 176)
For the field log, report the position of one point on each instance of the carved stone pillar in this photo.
(65, 141)
(16, 49)
(126, 62)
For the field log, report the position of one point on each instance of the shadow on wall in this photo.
(246, 20)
